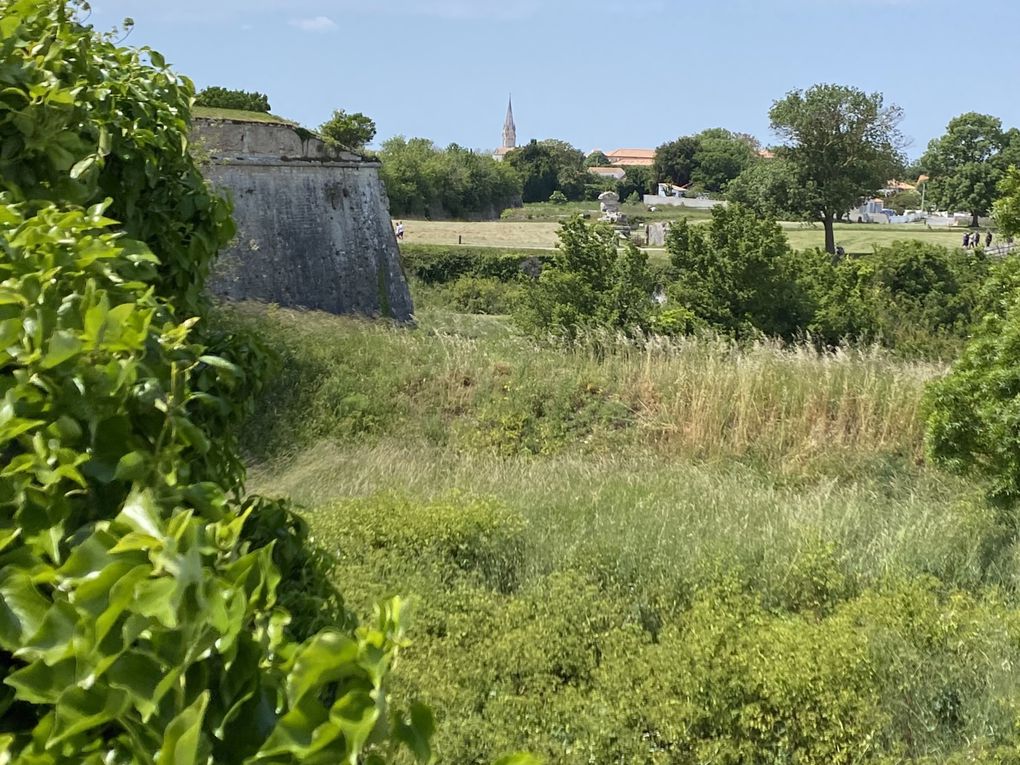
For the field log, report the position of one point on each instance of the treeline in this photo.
(707, 161)
(225, 98)
(424, 180)
(737, 275)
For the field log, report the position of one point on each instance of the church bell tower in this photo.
(509, 128)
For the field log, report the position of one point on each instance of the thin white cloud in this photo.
(314, 24)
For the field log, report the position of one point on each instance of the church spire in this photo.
(509, 128)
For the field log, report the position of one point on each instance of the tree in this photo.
(842, 144)
(771, 188)
(597, 159)
(720, 157)
(966, 164)
(1007, 207)
(548, 166)
(736, 273)
(224, 98)
(591, 283)
(638, 180)
(422, 179)
(675, 160)
(348, 131)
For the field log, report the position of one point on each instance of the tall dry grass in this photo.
(481, 386)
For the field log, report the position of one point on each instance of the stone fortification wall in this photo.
(313, 230)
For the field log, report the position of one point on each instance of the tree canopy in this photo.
(348, 131)
(842, 143)
(422, 179)
(710, 159)
(966, 164)
(224, 98)
(548, 166)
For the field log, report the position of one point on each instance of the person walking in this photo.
(400, 231)
(988, 239)
(966, 240)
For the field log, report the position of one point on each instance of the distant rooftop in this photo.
(632, 157)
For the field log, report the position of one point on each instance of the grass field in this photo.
(679, 551)
(862, 239)
(542, 234)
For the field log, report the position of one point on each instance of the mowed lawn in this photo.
(488, 234)
(854, 238)
(863, 238)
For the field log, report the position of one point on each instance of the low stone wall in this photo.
(654, 200)
(312, 231)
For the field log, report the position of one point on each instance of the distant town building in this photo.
(614, 172)
(509, 132)
(632, 157)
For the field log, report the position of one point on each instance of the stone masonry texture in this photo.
(313, 230)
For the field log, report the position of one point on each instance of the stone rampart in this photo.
(313, 229)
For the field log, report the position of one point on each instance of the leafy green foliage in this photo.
(967, 163)
(548, 166)
(1007, 207)
(518, 650)
(590, 283)
(558, 198)
(710, 159)
(348, 131)
(423, 180)
(102, 124)
(842, 144)
(140, 619)
(972, 412)
(771, 188)
(106, 470)
(224, 98)
(736, 274)
(674, 161)
(435, 264)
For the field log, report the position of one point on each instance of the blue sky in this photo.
(597, 73)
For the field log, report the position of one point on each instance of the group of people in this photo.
(972, 240)
(400, 231)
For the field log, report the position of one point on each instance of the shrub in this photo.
(589, 284)
(241, 100)
(737, 274)
(558, 197)
(142, 624)
(435, 264)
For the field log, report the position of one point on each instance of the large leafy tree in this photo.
(422, 179)
(966, 164)
(1007, 206)
(771, 188)
(842, 143)
(675, 160)
(548, 166)
(720, 157)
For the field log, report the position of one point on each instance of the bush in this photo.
(141, 624)
(241, 100)
(590, 284)
(737, 274)
(558, 198)
(435, 264)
